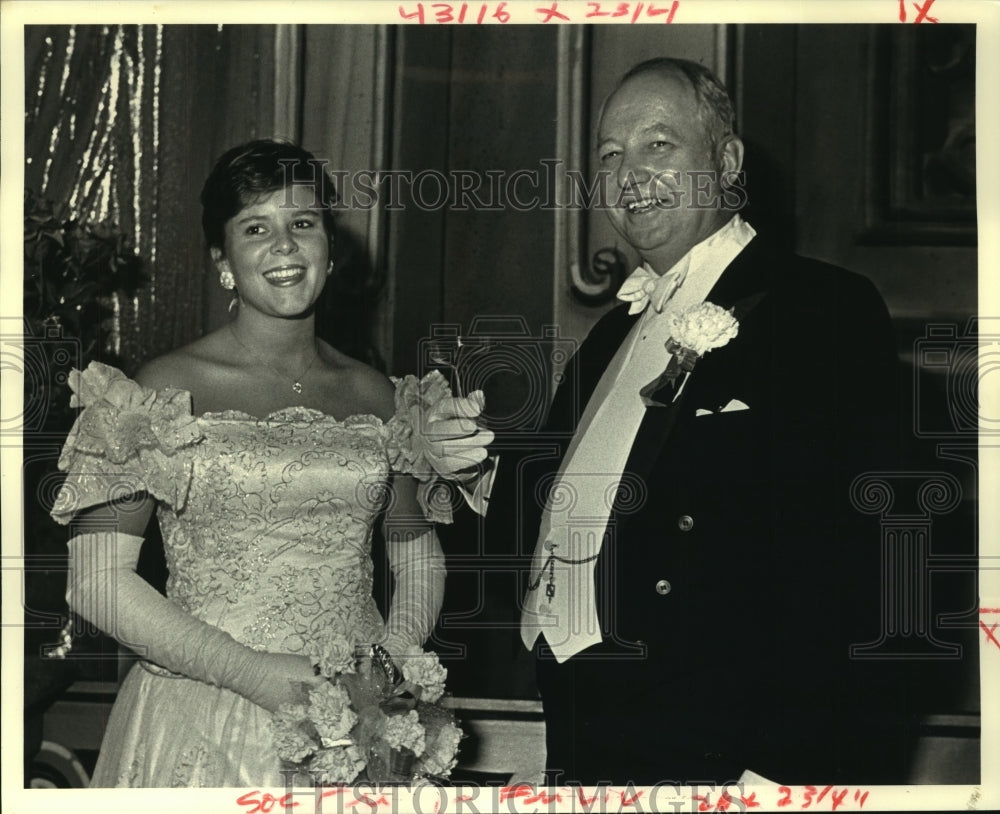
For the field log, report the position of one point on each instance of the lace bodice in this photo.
(267, 523)
(273, 543)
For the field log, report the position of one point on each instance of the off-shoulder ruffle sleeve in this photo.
(127, 439)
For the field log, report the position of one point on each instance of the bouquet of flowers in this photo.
(368, 721)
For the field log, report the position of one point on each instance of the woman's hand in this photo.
(282, 678)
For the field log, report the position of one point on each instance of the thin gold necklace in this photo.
(297, 380)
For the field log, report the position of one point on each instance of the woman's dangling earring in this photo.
(329, 268)
(228, 282)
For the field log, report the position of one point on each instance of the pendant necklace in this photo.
(297, 380)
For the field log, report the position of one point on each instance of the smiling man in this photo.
(700, 572)
(667, 154)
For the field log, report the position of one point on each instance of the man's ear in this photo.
(730, 157)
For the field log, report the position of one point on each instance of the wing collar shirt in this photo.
(561, 600)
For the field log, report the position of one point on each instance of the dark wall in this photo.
(476, 100)
(839, 160)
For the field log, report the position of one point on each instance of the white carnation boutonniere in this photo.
(693, 333)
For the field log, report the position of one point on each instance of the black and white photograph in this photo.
(500, 406)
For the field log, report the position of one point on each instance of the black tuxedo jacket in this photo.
(736, 570)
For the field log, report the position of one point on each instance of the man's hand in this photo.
(450, 438)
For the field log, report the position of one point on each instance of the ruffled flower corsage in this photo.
(694, 331)
(435, 438)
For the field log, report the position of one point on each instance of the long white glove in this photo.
(419, 569)
(104, 589)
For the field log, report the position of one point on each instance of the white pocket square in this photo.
(734, 405)
(731, 407)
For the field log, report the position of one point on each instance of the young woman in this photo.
(267, 455)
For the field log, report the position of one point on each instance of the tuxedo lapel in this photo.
(742, 287)
(593, 358)
(745, 279)
(605, 345)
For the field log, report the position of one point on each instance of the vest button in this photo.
(663, 587)
(685, 522)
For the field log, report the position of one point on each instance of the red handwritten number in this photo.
(787, 799)
(446, 13)
(653, 11)
(595, 10)
(418, 14)
(902, 11)
(443, 13)
(704, 804)
(864, 797)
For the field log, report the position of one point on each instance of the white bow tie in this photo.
(644, 286)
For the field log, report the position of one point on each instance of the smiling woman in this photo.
(268, 223)
(276, 244)
(268, 455)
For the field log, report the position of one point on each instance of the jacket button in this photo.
(663, 587)
(685, 522)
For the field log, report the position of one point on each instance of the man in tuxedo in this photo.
(701, 570)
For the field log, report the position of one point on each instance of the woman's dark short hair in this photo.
(245, 173)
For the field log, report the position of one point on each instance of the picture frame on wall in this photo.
(921, 171)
